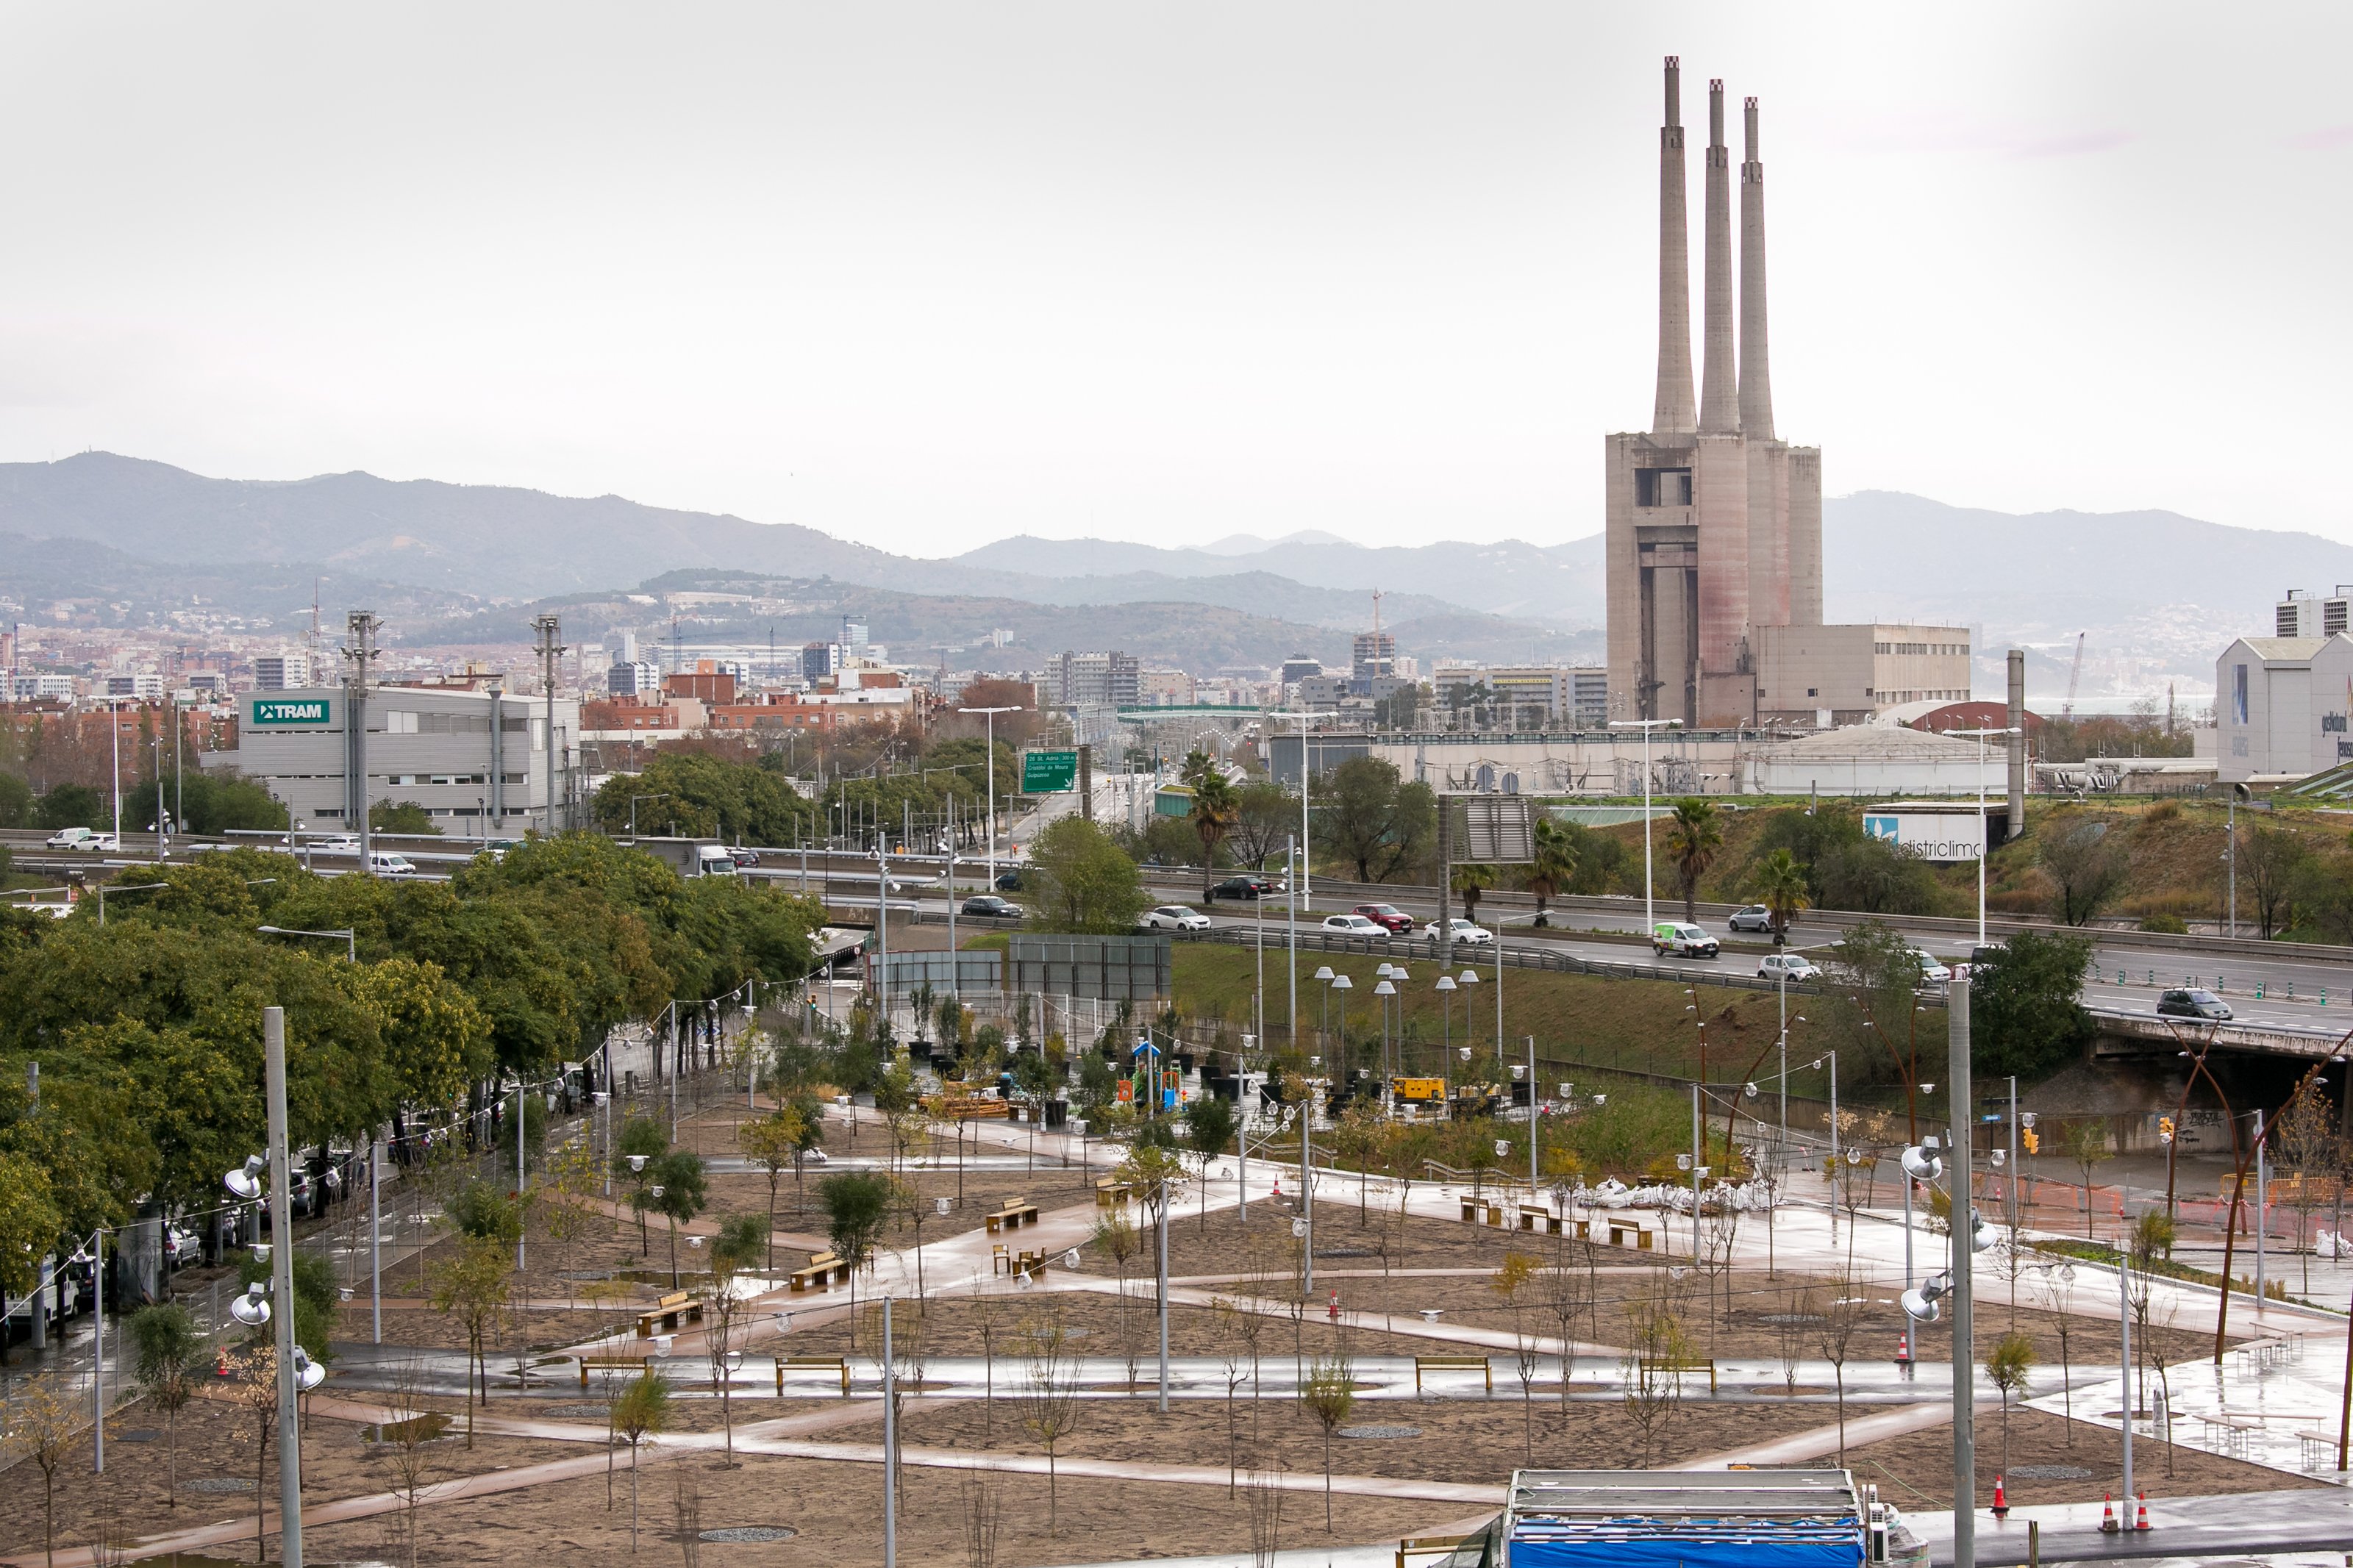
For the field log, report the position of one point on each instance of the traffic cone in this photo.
(2142, 1522)
(2107, 1513)
(2000, 1498)
(220, 1363)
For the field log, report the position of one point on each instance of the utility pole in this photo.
(549, 628)
(1964, 1255)
(359, 656)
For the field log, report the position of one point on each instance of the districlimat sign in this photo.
(1935, 835)
(290, 711)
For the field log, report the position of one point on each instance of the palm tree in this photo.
(1555, 864)
(1216, 809)
(1471, 881)
(1695, 837)
(1781, 886)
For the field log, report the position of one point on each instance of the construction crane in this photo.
(2067, 710)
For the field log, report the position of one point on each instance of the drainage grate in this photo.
(741, 1532)
(1381, 1431)
(2050, 1473)
(220, 1484)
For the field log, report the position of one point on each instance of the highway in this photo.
(2308, 989)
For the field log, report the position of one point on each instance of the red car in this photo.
(1389, 916)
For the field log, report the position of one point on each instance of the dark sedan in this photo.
(991, 905)
(1245, 887)
(2193, 1002)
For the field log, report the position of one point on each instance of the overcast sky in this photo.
(932, 274)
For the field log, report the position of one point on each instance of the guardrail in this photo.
(1482, 955)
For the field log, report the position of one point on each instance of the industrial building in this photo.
(1712, 536)
(2284, 707)
(475, 760)
(1554, 695)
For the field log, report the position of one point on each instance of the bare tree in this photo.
(1841, 1312)
(1791, 1328)
(43, 1420)
(407, 1438)
(988, 1317)
(1567, 1299)
(1050, 1399)
(1514, 1282)
(1233, 1349)
(982, 1507)
(1329, 1394)
(1655, 1344)
(2056, 1284)
(1264, 1491)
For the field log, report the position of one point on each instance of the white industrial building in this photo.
(477, 760)
(2283, 707)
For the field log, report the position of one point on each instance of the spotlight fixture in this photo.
(252, 1308)
(247, 1182)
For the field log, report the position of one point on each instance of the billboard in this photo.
(1942, 838)
(269, 711)
(1049, 773)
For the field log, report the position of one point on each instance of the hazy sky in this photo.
(933, 274)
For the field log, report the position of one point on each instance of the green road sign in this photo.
(1049, 773)
(290, 711)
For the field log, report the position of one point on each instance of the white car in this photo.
(340, 844)
(73, 838)
(1932, 969)
(1786, 966)
(381, 863)
(1174, 917)
(1458, 931)
(1353, 925)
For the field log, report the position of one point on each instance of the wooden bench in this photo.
(1012, 1216)
(1111, 1191)
(832, 1363)
(667, 1313)
(635, 1365)
(1478, 1363)
(825, 1270)
(1620, 1228)
(1475, 1209)
(1585, 1230)
(1539, 1219)
(1680, 1364)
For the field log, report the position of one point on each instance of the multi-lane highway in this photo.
(2300, 988)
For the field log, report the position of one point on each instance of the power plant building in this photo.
(1713, 543)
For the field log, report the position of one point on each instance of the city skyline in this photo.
(1126, 279)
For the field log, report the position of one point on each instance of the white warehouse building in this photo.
(2283, 707)
(476, 761)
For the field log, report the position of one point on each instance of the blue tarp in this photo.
(1634, 1545)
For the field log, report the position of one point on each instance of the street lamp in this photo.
(1984, 841)
(1307, 884)
(134, 888)
(1649, 913)
(1471, 977)
(990, 714)
(296, 1374)
(1343, 985)
(350, 938)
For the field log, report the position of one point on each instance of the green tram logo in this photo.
(290, 711)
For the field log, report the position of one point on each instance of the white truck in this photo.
(692, 857)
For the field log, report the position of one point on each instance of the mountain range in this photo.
(2154, 592)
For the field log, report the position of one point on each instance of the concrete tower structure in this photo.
(1714, 525)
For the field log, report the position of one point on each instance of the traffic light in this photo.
(2034, 1142)
(2165, 1128)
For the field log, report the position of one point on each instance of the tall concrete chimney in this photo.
(1756, 367)
(2017, 722)
(1674, 409)
(1719, 396)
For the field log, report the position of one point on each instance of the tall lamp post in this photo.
(633, 811)
(297, 1374)
(990, 714)
(1305, 886)
(1650, 912)
(350, 938)
(1985, 840)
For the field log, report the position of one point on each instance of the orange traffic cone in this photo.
(2108, 1514)
(2000, 1498)
(220, 1363)
(2142, 1522)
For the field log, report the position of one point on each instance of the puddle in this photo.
(750, 1532)
(416, 1429)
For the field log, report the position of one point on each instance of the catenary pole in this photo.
(1964, 1450)
(281, 1289)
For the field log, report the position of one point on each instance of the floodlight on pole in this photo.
(1985, 838)
(308, 1374)
(245, 1182)
(252, 1308)
(1650, 912)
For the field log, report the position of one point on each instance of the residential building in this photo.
(1095, 681)
(706, 683)
(478, 759)
(1298, 667)
(1526, 696)
(286, 671)
(2309, 615)
(1372, 653)
(1164, 687)
(819, 659)
(633, 678)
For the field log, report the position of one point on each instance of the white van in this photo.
(383, 863)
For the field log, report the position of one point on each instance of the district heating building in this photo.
(1714, 524)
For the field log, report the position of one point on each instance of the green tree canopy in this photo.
(1369, 817)
(2024, 1016)
(1084, 881)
